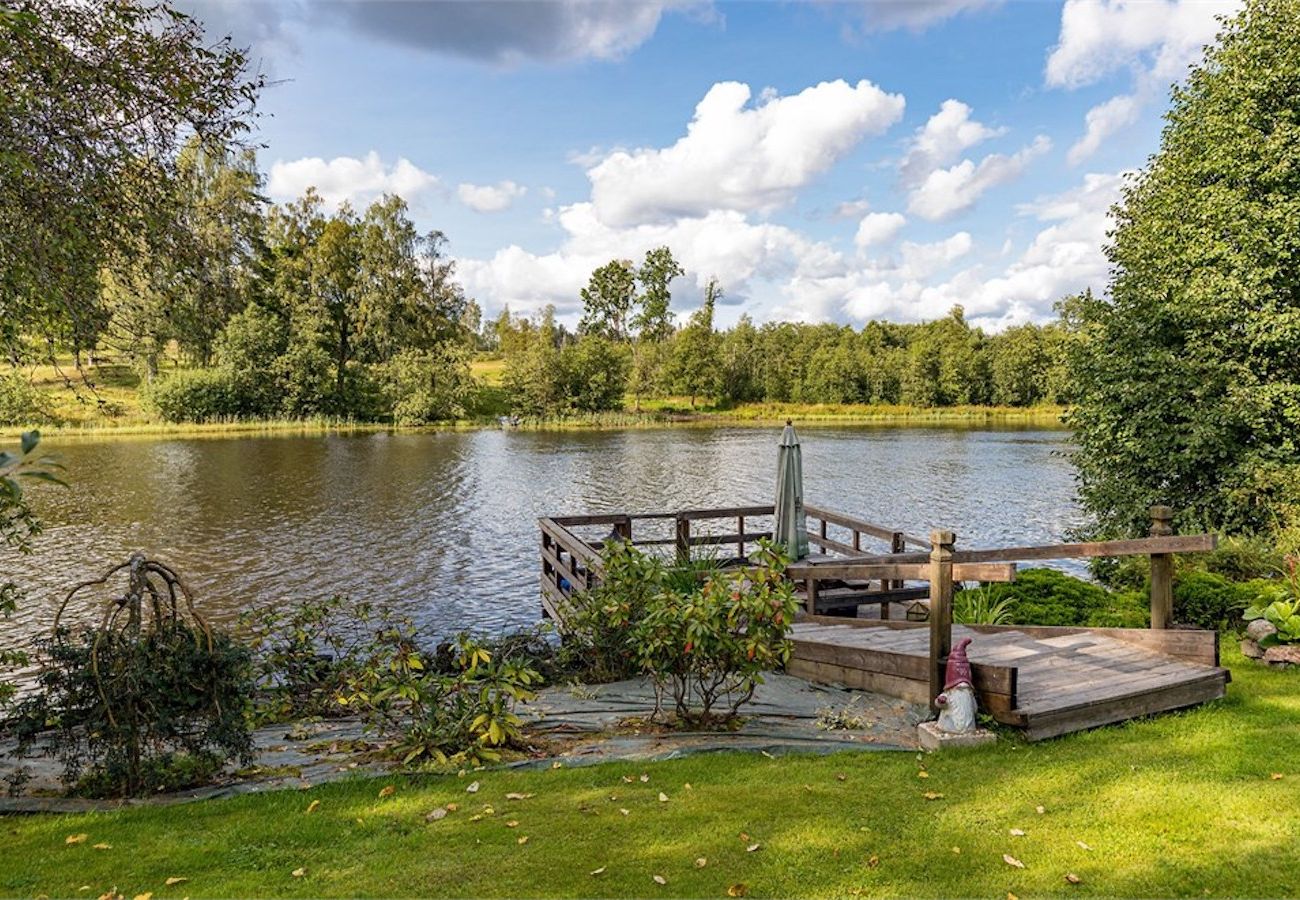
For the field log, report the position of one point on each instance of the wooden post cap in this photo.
(939, 537)
(1161, 511)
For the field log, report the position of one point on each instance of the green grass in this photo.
(1181, 805)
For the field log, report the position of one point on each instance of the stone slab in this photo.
(932, 739)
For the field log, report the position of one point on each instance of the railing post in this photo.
(740, 541)
(683, 539)
(897, 544)
(1162, 570)
(940, 608)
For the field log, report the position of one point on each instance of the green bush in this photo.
(1126, 609)
(203, 395)
(1207, 600)
(1049, 597)
(710, 647)
(20, 403)
(1242, 558)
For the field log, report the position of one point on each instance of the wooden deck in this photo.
(1047, 681)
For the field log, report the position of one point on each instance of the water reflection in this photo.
(443, 525)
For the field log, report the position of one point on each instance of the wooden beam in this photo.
(1162, 570)
(940, 608)
(1179, 543)
(901, 571)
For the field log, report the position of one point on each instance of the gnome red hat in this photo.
(958, 671)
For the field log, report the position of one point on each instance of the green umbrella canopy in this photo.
(791, 529)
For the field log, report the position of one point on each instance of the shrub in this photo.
(466, 714)
(20, 403)
(1127, 609)
(305, 653)
(153, 699)
(422, 387)
(712, 645)
(1207, 600)
(1278, 603)
(203, 395)
(1045, 597)
(1243, 558)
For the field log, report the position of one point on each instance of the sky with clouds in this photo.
(826, 161)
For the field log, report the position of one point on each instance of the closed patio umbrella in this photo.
(791, 527)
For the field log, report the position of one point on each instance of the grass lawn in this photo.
(1183, 805)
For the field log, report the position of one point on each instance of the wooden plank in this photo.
(987, 677)
(886, 571)
(1119, 709)
(1162, 571)
(819, 540)
(726, 512)
(1182, 543)
(749, 537)
(1191, 645)
(889, 685)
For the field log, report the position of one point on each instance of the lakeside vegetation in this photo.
(1189, 804)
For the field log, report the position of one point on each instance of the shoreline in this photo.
(756, 415)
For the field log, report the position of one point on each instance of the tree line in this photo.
(626, 346)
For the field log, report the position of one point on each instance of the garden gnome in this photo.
(957, 702)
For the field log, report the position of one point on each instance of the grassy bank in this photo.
(106, 399)
(1183, 805)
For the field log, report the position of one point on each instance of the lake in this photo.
(442, 525)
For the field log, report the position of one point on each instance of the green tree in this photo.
(609, 301)
(1187, 376)
(652, 323)
(97, 98)
(694, 368)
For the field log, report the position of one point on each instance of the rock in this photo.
(1250, 650)
(1284, 655)
(932, 738)
(1259, 629)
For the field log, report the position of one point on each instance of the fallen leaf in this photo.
(738, 890)
(512, 824)
(873, 862)
(436, 814)
(663, 798)
(1016, 832)
(84, 887)
(841, 777)
(624, 811)
(489, 811)
(1072, 878)
(1011, 896)
(629, 779)
(147, 895)
(175, 880)
(514, 796)
(923, 774)
(557, 765)
(659, 879)
(452, 807)
(76, 839)
(744, 836)
(298, 873)
(387, 791)
(313, 806)
(600, 871)
(103, 847)
(1012, 861)
(1040, 810)
(932, 795)
(522, 840)
(476, 817)
(1082, 845)
(111, 894)
(644, 777)
(752, 847)
(768, 755)
(1276, 776)
(956, 850)
(473, 788)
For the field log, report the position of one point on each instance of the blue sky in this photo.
(826, 161)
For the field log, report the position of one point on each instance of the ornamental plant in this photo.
(1279, 605)
(709, 647)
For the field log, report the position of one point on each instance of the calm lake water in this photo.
(443, 525)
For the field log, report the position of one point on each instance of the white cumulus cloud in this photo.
(346, 178)
(878, 228)
(739, 157)
(489, 198)
(1102, 121)
(946, 192)
(942, 139)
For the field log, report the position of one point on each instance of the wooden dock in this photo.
(1046, 681)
